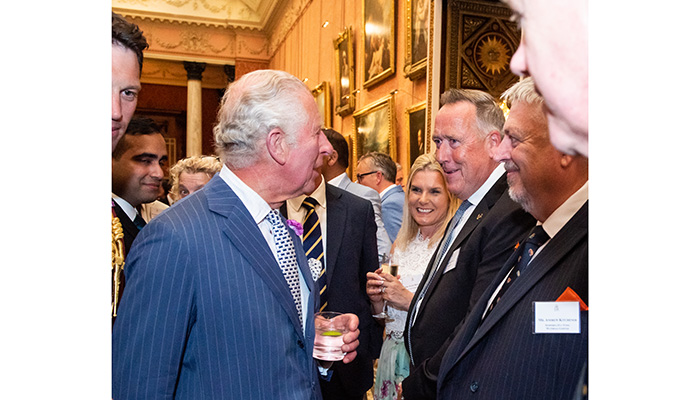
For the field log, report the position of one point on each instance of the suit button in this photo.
(300, 344)
(474, 387)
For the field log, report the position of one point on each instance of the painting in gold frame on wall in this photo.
(379, 41)
(417, 23)
(373, 129)
(415, 121)
(345, 73)
(322, 95)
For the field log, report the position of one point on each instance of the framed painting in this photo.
(322, 95)
(373, 129)
(417, 23)
(379, 42)
(345, 73)
(415, 121)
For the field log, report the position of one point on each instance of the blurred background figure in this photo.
(429, 207)
(378, 171)
(191, 174)
(399, 175)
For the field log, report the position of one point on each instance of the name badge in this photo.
(556, 317)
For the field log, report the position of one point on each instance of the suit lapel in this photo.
(336, 216)
(474, 220)
(128, 225)
(245, 235)
(572, 233)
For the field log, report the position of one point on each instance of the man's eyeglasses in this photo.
(360, 176)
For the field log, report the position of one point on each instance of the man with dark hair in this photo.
(137, 171)
(378, 171)
(128, 44)
(333, 170)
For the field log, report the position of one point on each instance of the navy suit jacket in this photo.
(392, 210)
(207, 313)
(501, 357)
(485, 242)
(351, 252)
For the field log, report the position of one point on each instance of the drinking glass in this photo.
(330, 327)
(388, 267)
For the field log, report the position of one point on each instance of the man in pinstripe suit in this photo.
(207, 312)
(498, 352)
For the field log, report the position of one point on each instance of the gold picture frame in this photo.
(374, 129)
(345, 73)
(417, 39)
(378, 37)
(322, 95)
(417, 132)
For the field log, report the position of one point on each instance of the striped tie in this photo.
(313, 245)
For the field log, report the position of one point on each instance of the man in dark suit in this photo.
(378, 171)
(137, 171)
(348, 250)
(219, 300)
(500, 351)
(479, 238)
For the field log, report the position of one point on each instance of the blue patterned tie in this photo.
(286, 257)
(535, 239)
(313, 245)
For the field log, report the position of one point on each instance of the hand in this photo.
(399, 391)
(374, 286)
(350, 338)
(395, 293)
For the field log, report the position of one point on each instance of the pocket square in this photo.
(570, 295)
(452, 263)
(315, 266)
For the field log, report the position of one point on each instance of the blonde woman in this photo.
(428, 208)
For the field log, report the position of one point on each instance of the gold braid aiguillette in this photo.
(117, 260)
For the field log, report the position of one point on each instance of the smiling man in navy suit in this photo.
(219, 299)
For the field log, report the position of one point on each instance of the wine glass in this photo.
(390, 267)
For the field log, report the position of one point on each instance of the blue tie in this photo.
(535, 239)
(313, 245)
(139, 221)
(286, 257)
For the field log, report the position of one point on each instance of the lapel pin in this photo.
(478, 217)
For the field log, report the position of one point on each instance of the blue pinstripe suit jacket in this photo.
(207, 313)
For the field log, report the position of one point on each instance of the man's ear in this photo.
(277, 146)
(332, 158)
(493, 140)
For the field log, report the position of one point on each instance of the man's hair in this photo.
(252, 106)
(129, 36)
(340, 145)
(208, 165)
(489, 116)
(523, 90)
(137, 126)
(383, 163)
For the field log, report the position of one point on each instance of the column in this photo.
(194, 107)
(230, 71)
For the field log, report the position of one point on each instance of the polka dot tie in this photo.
(286, 257)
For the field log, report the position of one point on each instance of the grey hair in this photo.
(383, 163)
(489, 116)
(523, 90)
(253, 106)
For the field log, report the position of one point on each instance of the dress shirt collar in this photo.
(563, 214)
(481, 192)
(385, 191)
(256, 205)
(129, 210)
(319, 194)
(338, 179)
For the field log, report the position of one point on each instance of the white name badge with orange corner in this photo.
(556, 317)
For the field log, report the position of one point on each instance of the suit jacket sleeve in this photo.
(154, 319)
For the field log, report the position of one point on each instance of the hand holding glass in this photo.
(388, 267)
(330, 328)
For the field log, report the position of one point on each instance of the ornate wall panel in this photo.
(481, 42)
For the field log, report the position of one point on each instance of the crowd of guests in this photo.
(224, 273)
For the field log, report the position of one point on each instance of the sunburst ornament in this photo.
(492, 55)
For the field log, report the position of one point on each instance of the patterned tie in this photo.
(535, 239)
(286, 257)
(436, 264)
(313, 245)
